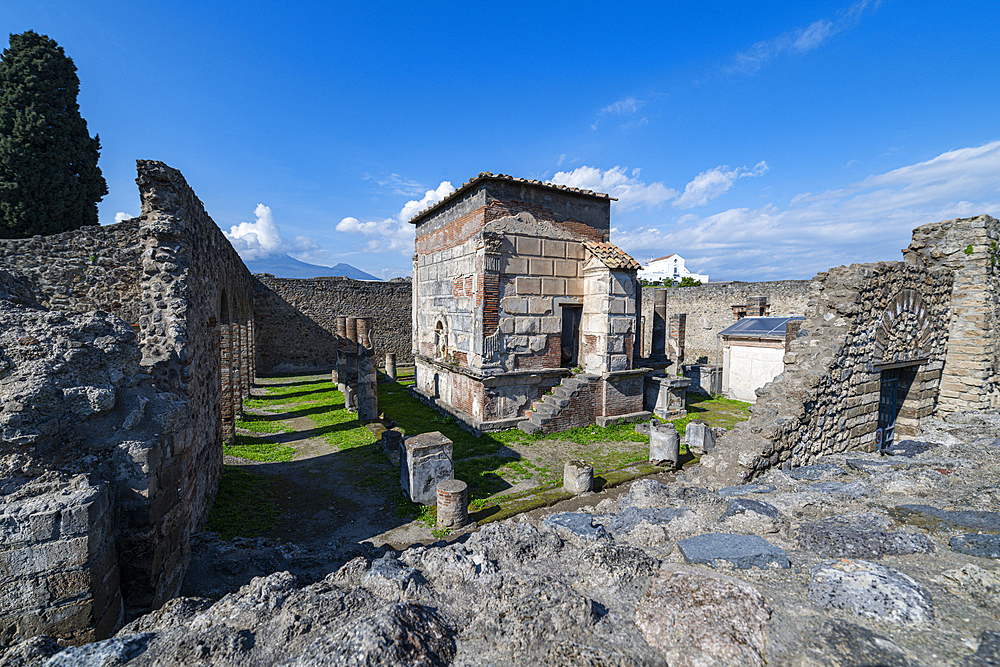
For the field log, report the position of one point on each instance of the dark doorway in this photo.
(895, 385)
(571, 335)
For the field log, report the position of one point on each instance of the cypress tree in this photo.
(49, 178)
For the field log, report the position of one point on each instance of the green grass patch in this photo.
(244, 505)
(259, 449)
(715, 411)
(262, 424)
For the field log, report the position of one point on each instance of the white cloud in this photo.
(617, 182)
(866, 221)
(395, 233)
(431, 197)
(710, 184)
(262, 238)
(626, 107)
(801, 40)
(121, 216)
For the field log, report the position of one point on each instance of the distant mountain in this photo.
(284, 266)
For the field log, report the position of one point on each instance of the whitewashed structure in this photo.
(753, 352)
(670, 267)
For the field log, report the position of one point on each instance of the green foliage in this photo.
(49, 178)
(261, 424)
(259, 449)
(244, 506)
(688, 281)
(969, 249)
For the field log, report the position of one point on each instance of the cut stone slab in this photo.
(630, 517)
(876, 465)
(699, 619)
(699, 438)
(856, 489)
(425, 460)
(976, 544)
(870, 590)
(576, 523)
(744, 489)
(860, 536)
(842, 644)
(814, 472)
(910, 448)
(743, 551)
(932, 518)
(736, 506)
(664, 445)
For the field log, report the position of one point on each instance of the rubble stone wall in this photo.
(826, 401)
(709, 310)
(296, 319)
(969, 247)
(91, 268)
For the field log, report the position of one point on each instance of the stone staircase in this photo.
(550, 406)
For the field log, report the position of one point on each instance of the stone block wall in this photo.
(969, 247)
(92, 268)
(607, 330)
(709, 311)
(295, 320)
(826, 400)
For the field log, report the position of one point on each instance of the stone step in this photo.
(573, 384)
(566, 392)
(587, 377)
(528, 427)
(558, 401)
(539, 420)
(545, 409)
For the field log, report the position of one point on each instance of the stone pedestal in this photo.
(390, 366)
(367, 390)
(578, 477)
(699, 438)
(705, 378)
(664, 445)
(452, 504)
(425, 460)
(665, 395)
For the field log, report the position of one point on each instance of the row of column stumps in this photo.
(354, 370)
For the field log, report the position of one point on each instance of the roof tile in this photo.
(612, 256)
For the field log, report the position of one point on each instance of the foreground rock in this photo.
(854, 562)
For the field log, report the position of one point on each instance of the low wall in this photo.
(296, 320)
(709, 311)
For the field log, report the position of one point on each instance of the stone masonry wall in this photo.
(296, 319)
(92, 268)
(826, 401)
(969, 247)
(709, 311)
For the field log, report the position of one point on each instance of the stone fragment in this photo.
(648, 493)
(842, 644)
(698, 619)
(856, 489)
(452, 504)
(910, 448)
(932, 518)
(664, 445)
(870, 590)
(976, 544)
(699, 438)
(859, 536)
(988, 653)
(743, 489)
(736, 506)
(578, 477)
(743, 551)
(644, 427)
(425, 460)
(116, 651)
(577, 525)
(981, 585)
(389, 578)
(815, 472)
(630, 517)
(397, 634)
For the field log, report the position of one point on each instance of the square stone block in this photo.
(525, 285)
(553, 286)
(565, 268)
(574, 287)
(515, 265)
(551, 325)
(540, 266)
(529, 245)
(554, 249)
(574, 250)
(424, 461)
(514, 305)
(526, 325)
(540, 305)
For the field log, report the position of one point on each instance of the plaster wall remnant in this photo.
(112, 428)
(515, 286)
(297, 320)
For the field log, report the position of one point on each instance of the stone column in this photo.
(659, 342)
(367, 385)
(452, 504)
(678, 323)
(578, 477)
(351, 356)
(425, 460)
(340, 362)
(664, 445)
(390, 365)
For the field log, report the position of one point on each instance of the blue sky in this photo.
(758, 140)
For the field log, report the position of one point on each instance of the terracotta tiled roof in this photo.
(612, 256)
(485, 175)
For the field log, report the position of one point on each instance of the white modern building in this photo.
(670, 267)
(753, 353)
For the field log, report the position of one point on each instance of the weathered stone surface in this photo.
(578, 477)
(743, 489)
(870, 590)
(988, 652)
(743, 551)
(842, 644)
(664, 445)
(630, 517)
(699, 619)
(932, 518)
(648, 493)
(976, 544)
(699, 438)
(983, 586)
(570, 524)
(736, 506)
(105, 653)
(815, 472)
(425, 460)
(859, 536)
